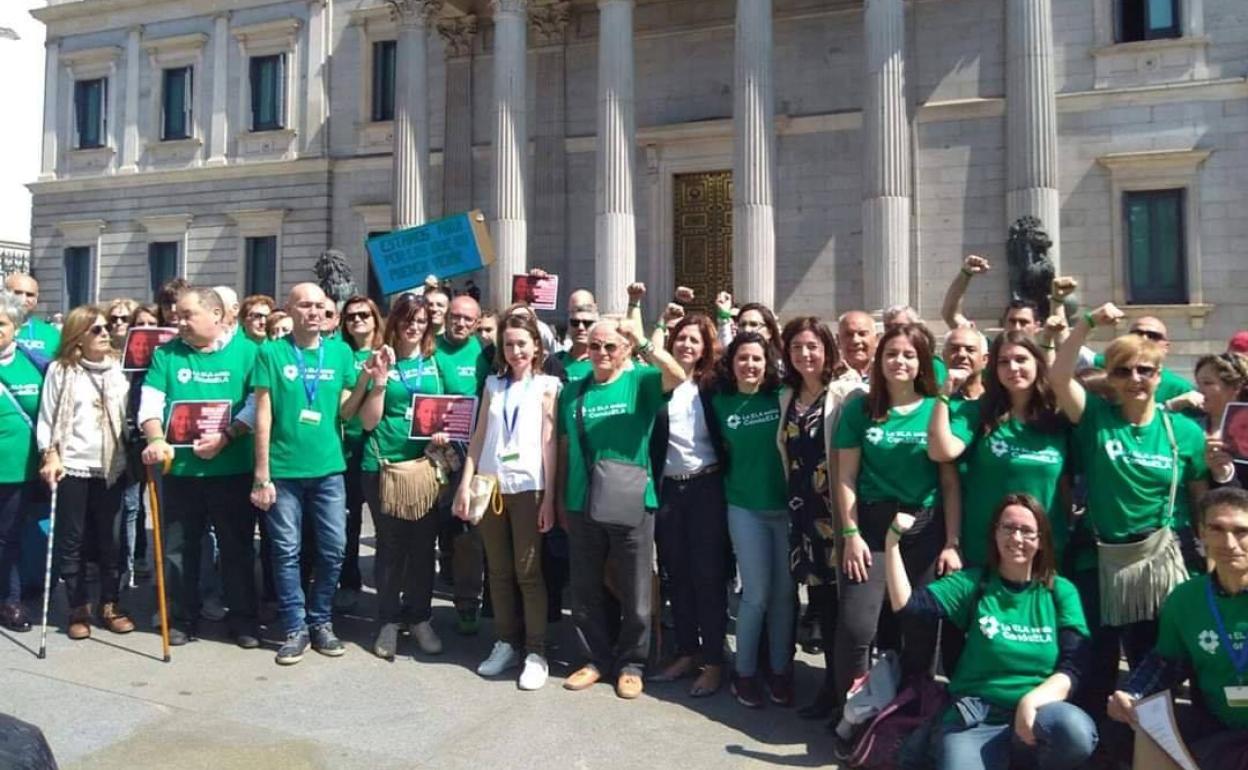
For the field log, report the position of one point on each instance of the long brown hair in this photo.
(407, 308)
(1041, 413)
(379, 323)
(529, 324)
(725, 379)
(878, 400)
(77, 330)
(1044, 563)
(704, 369)
(831, 354)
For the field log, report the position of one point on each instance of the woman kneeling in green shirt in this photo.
(1026, 645)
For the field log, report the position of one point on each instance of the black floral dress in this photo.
(812, 554)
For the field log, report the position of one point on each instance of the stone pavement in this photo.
(111, 703)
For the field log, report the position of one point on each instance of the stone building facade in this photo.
(821, 155)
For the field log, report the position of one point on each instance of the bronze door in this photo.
(702, 249)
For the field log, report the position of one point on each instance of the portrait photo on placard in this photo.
(453, 415)
(141, 343)
(190, 421)
(1235, 430)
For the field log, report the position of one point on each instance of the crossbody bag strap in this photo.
(1174, 468)
(581, 433)
(16, 406)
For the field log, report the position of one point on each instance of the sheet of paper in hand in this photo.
(454, 415)
(190, 421)
(1235, 430)
(538, 293)
(445, 248)
(141, 343)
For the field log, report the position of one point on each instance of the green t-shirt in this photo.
(40, 336)
(353, 429)
(17, 437)
(1187, 633)
(408, 378)
(1014, 458)
(1128, 467)
(618, 419)
(894, 463)
(1011, 636)
(748, 424)
(463, 368)
(576, 369)
(185, 374)
(299, 448)
(941, 370)
(1171, 384)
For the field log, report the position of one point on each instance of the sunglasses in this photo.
(610, 347)
(254, 316)
(583, 323)
(1143, 371)
(98, 330)
(1149, 335)
(358, 316)
(329, 314)
(119, 319)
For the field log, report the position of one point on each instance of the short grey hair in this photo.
(13, 307)
(979, 336)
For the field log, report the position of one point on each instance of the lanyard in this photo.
(511, 417)
(1239, 659)
(419, 369)
(309, 389)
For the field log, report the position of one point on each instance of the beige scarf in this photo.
(111, 414)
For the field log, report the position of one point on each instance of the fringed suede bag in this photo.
(408, 488)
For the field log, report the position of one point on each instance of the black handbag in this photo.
(616, 490)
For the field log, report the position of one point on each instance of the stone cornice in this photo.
(458, 34)
(415, 11)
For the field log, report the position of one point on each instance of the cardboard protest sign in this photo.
(190, 421)
(141, 343)
(538, 293)
(453, 415)
(1235, 430)
(446, 248)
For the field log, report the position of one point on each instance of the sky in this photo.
(21, 132)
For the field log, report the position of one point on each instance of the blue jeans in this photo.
(324, 500)
(1065, 738)
(761, 542)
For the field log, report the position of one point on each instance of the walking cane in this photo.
(47, 578)
(160, 559)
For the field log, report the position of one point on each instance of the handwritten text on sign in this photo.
(445, 248)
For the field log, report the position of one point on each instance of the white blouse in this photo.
(512, 449)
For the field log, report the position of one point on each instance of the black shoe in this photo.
(291, 651)
(13, 617)
(820, 708)
(179, 637)
(387, 642)
(246, 636)
(324, 641)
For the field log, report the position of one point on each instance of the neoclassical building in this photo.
(818, 155)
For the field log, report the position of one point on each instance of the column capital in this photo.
(408, 12)
(508, 6)
(549, 21)
(458, 34)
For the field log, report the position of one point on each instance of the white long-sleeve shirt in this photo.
(82, 451)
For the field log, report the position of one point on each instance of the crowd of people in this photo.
(1012, 510)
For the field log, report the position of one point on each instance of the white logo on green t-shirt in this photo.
(1115, 450)
(733, 422)
(998, 446)
(1208, 641)
(28, 389)
(875, 435)
(989, 626)
(184, 376)
(290, 372)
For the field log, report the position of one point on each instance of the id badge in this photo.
(407, 414)
(1236, 697)
(509, 457)
(309, 417)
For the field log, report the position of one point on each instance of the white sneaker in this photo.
(502, 657)
(428, 640)
(533, 677)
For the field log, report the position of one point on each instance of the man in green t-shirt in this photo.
(1203, 637)
(35, 335)
(209, 477)
(304, 386)
(966, 354)
(463, 369)
(575, 360)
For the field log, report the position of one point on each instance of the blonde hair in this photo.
(125, 303)
(77, 329)
(1133, 348)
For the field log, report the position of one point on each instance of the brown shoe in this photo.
(677, 669)
(584, 677)
(115, 619)
(708, 682)
(629, 685)
(80, 622)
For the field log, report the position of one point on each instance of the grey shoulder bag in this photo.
(615, 489)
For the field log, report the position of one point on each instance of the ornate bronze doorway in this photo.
(702, 247)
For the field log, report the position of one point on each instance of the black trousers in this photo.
(691, 532)
(404, 565)
(88, 505)
(631, 553)
(190, 505)
(350, 576)
(824, 600)
(858, 617)
(1134, 641)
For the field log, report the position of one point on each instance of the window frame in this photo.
(257, 41)
(1136, 294)
(188, 103)
(86, 273)
(251, 286)
(155, 278)
(381, 66)
(101, 123)
(258, 223)
(1175, 30)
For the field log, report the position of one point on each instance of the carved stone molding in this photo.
(415, 11)
(508, 6)
(549, 21)
(458, 34)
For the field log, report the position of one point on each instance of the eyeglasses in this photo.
(98, 330)
(748, 325)
(610, 347)
(118, 319)
(1028, 534)
(583, 323)
(1149, 334)
(256, 316)
(1143, 371)
(359, 315)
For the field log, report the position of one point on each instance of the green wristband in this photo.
(723, 315)
(849, 532)
(1087, 316)
(967, 273)
(893, 528)
(943, 398)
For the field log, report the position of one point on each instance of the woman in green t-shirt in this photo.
(1026, 647)
(404, 565)
(362, 331)
(1012, 439)
(883, 468)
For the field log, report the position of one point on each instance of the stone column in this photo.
(615, 229)
(457, 37)
(754, 150)
(220, 90)
(411, 110)
(129, 161)
(1031, 118)
(511, 147)
(885, 158)
(315, 130)
(51, 81)
(548, 20)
